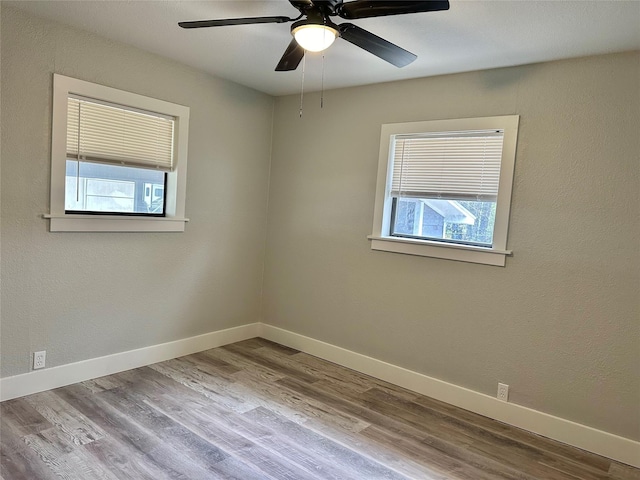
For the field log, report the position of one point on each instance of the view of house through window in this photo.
(461, 221)
(102, 188)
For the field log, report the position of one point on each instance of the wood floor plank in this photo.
(110, 453)
(250, 391)
(256, 410)
(79, 428)
(253, 355)
(210, 386)
(156, 387)
(353, 464)
(19, 462)
(237, 442)
(255, 443)
(566, 452)
(618, 471)
(266, 374)
(65, 459)
(276, 456)
(22, 418)
(371, 417)
(400, 422)
(394, 459)
(491, 443)
(258, 342)
(195, 448)
(238, 436)
(342, 376)
(418, 417)
(429, 445)
(164, 428)
(440, 460)
(279, 361)
(148, 448)
(49, 444)
(286, 402)
(211, 364)
(101, 384)
(201, 424)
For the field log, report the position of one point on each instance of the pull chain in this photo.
(324, 34)
(302, 84)
(322, 84)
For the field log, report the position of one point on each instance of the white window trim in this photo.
(174, 221)
(495, 255)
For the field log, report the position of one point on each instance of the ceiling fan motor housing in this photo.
(331, 4)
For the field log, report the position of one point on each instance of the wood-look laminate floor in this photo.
(257, 410)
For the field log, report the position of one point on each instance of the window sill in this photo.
(114, 223)
(426, 248)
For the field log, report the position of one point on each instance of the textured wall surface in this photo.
(560, 323)
(83, 295)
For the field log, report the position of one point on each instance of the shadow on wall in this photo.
(499, 78)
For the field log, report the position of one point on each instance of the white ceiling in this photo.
(471, 35)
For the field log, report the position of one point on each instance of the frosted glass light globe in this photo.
(313, 37)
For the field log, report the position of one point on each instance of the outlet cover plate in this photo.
(39, 359)
(503, 392)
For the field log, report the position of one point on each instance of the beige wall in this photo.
(83, 295)
(560, 323)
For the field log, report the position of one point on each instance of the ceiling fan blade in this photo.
(373, 8)
(233, 21)
(376, 45)
(291, 58)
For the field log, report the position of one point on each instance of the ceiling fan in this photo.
(317, 32)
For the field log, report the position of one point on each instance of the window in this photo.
(444, 188)
(118, 160)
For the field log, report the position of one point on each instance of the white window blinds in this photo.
(453, 165)
(105, 133)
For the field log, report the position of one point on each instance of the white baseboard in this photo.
(581, 436)
(55, 377)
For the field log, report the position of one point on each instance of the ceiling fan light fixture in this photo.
(314, 37)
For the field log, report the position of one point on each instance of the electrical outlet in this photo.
(503, 392)
(39, 359)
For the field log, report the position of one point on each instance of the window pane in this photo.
(101, 188)
(461, 221)
(405, 217)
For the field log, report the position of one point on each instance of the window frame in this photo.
(175, 193)
(381, 238)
